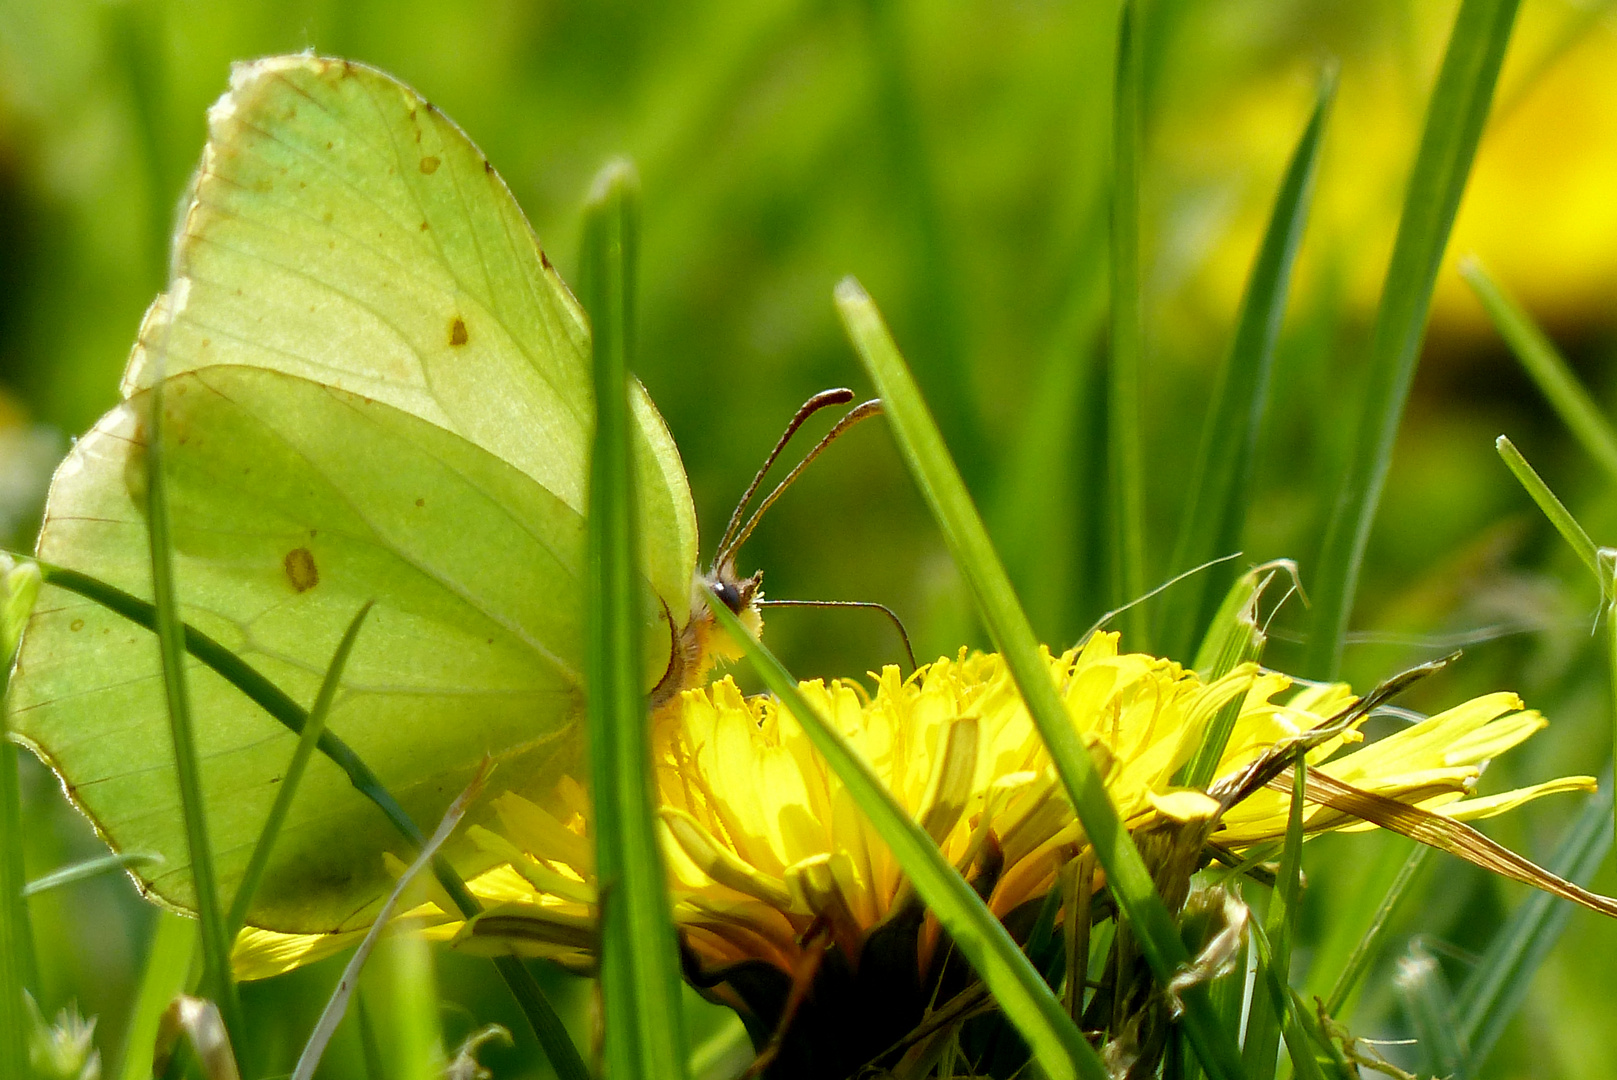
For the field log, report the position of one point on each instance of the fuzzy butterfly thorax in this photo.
(702, 644)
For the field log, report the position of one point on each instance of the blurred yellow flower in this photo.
(762, 841)
(1537, 209)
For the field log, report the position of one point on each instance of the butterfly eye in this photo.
(730, 594)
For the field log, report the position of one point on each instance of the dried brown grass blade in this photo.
(1443, 833)
(197, 1019)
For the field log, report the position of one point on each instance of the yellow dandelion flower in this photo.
(763, 842)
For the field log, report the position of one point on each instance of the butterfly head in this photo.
(701, 643)
(742, 596)
(739, 594)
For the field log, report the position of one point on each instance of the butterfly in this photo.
(375, 388)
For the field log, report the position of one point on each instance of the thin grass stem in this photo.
(1429, 1007)
(1547, 367)
(218, 981)
(1555, 510)
(1603, 568)
(19, 969)
(337, 1005)
(1300, 1043)
(19, 972)
(87, 869)
(1238, 641)
(17, 963)
(1260, 1051)
(308, 739)
(1611, 658)
(1369, 946)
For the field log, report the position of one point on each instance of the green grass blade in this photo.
(1454, 121)
(18, 970)
(1369, 945)
(1553, 508)
(1233, 639)
(938, 298)
(1261, 1049)
(643, 1022)
(541, 1015)
(89, 868)
(1547, 368)
(1126, 457)
(1611, 656)
(1216, 498)
(1578, 540)
(168, 966)
(1499, 983)
(725, 1054)
(1234, 630)
(1300, 1043)
(1429, 1006)
(218, 981)
(404, 1005)
(928, 459)
(1058, 1046)
(308, 738)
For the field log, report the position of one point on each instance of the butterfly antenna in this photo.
(839, 396)
(859, 412)
(898, 624)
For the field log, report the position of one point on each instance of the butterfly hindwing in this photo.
(294, 503)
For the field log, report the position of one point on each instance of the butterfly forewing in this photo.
(344, 230)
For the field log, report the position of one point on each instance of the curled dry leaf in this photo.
(1444, 833)
(1225, 918)
(198, 1020)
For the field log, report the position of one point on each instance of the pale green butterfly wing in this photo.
(344, 230)
(293, 504)
(343, 238)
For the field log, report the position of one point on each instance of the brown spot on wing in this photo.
(429, 164)
(300, 569)
(457, 331)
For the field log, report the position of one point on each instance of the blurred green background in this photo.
(954, 156)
